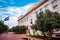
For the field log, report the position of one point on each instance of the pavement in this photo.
(12, 36)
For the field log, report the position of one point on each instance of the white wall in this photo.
(32, 15)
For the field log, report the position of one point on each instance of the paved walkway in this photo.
(12, 36)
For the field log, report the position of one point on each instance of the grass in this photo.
(37, 36)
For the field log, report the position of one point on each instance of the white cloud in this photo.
(12, 21)
(14, 13)
(2, 8)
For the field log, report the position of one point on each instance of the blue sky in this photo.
(15, 8)
(17, 3)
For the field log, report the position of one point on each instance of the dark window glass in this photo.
(41, 9)
(53, 1)
(31, 21)
(54, 7)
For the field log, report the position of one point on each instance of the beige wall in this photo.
(48, 5)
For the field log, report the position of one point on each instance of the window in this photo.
(46, 7)
(31, 21)
(27, 18)
(36, 13)
(41, 9)
(53, 1)
(55, 6)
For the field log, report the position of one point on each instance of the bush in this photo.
(3, 27)
(20, 29)
(37, 36)
(13, 29)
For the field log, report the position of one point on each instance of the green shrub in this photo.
(3, 27)
(20, 29)
(37, 36)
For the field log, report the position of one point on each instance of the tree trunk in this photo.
(34, 32)
(50, 37)
(43, 34)
(50, 34)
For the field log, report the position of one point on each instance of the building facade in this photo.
(29, 18)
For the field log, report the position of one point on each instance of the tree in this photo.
(34, 27)
(19, 29)
(47, 21)
(12, 29)
(57, 16)
(40, 22)
(3, 27)
(52, 21)
(22, 29)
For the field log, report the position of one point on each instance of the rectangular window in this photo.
(53, 1)
(31, 21)
(55, 6)
(27, 18)
(46, 6)
(41, 9)
(36, 13)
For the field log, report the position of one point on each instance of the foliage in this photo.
(34, 26)
(19, 29)
(37, 36)
(47, 21)
(12, 29)
(3, 27)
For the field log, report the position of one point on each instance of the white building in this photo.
(29, 18)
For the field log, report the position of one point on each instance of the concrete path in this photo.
(12, 36)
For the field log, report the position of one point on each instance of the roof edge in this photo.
(38, 5)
